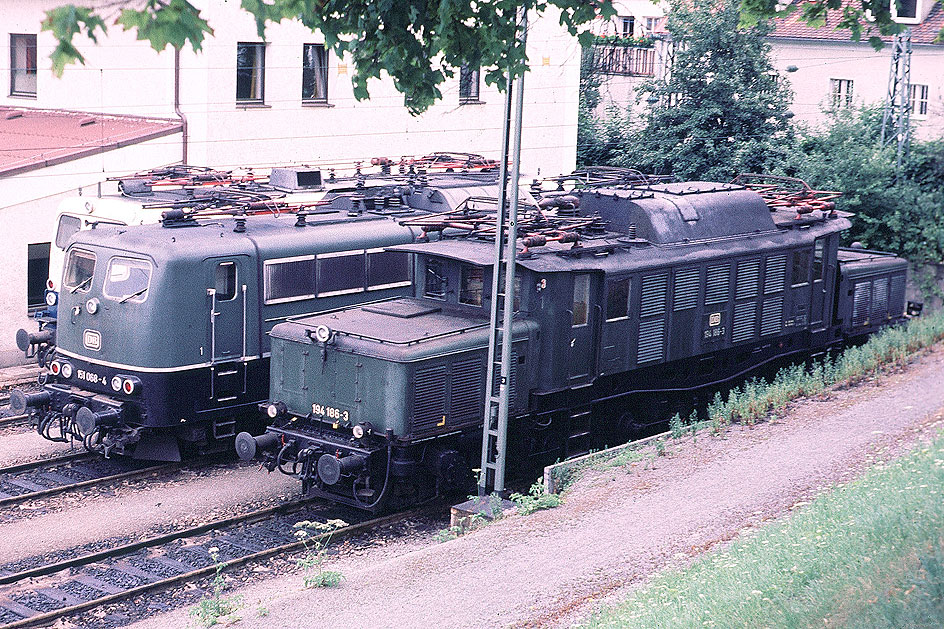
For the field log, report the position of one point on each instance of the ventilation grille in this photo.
(860, 303)
(513, 390)
(745, 315)
(653, 295)
(651, 341)
(716, 289)
(686, 289)
(748, 275)
(879, 299)
(429, 398)
(775, 275)
(467, 390)
(896, 301)
(771, 316)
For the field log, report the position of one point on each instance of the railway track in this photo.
(70, 472)
(47, 593)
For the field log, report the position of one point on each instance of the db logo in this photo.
(92, 339)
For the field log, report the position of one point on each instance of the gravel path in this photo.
(617, 526)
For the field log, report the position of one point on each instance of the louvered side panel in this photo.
(896, 298)
(775, 275)
(468, 390)
(861, 298)
(879, 300)
(652, 299)
(651, 341)
(429, 398)
(745, 316)
(748, 277)
(771, 316)
(513, 390)
(686, 289)
(717, 283)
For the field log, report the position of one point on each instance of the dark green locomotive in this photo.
(621, 291)
(163, 329)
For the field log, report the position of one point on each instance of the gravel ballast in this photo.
(617, 526)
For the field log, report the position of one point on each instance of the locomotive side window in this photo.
(289, 279)
(801, 268)
(225, 281)
(79, 270)
(470, 288)
(127, 279)
(341, 273)
(617, 299)
(818, 266)
(581, 300)
(387, 269)
(435, 281)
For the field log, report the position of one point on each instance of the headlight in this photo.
(55, 367)
(51, 298)
(91, 306)
(358, 431)
(275, 409)
(322, 333)
(116, 384)
(66, 370)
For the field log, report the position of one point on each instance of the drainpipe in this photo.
(180, 114)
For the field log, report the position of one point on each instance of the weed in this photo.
(262, 612)
(316, 547)
(210, 610)
(660, 447)
(675, 426)
(535, 499)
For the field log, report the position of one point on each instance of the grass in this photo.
(867, 554)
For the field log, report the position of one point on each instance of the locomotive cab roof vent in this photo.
(296, 178)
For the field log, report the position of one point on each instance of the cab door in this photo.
(233, 328)
(584, 323)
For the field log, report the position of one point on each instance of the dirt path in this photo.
(617, 526)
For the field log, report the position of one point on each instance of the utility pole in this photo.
(498, 380)
(896, 121)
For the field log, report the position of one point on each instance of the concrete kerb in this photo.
(556, 474)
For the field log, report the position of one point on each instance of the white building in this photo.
(242, 101)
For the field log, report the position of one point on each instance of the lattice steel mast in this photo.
(495, 423)
(896, 122)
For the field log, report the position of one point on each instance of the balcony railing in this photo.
(624, 60)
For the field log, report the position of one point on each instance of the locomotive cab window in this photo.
(801, 268)
(127, 279)
(617, 299)
(818, 252)
(470, 288)
(387, 269)
(68, 226)
(340, 273)
(79, 271)
(581, 306)
(435, 279)
(225, 281)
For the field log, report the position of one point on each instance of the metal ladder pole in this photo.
(495, 422)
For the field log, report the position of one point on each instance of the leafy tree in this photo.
(722, 109)
(419, 43)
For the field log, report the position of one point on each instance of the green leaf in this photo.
(65, 22)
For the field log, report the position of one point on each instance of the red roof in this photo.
(35, 138)
(793, 27)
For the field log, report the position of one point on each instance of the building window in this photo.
(250, 72)
(315, 73)
(627, 26)
(37, 270)
(905, 10)
(23, 65)
(651, 24)
(841, 90)
(468, 85)
(919, 100)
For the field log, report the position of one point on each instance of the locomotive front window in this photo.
(581, 300)
(473, 281)
(341, 273)
(387, 269)
(68, 227)
(617, 300)
(801, 268)
(79, 270)
(435, 282)
(127, 279)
